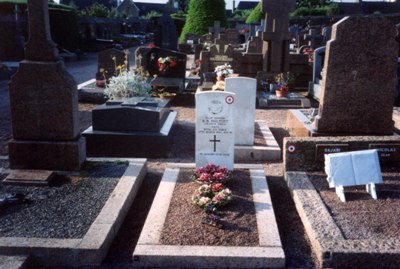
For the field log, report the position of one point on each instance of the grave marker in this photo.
(276, 34)
(44, 104)
(109, 62)
(244, 109)
(351, 169)
(215, 128)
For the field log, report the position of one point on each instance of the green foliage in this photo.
(151, 15)
(201, 15)
(96, 10)
(255, 15)
(180, 15)
(327, 10)
(241, 14)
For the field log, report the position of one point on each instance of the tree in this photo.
(201, 15)
(255, 15)
(97, 10)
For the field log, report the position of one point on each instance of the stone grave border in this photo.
(329, 245)
(270, 152)
(149, 252)
(295, 100)
(93, 247)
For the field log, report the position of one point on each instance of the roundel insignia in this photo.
(229, 99)
(291, 148)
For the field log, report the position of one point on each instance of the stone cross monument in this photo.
(276, 35)
(44, 104)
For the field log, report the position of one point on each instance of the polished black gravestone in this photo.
(136, 127)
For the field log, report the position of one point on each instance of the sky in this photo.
(228, 2)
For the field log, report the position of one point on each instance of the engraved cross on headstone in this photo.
(40, 46)
(276, 34)
(215, 142)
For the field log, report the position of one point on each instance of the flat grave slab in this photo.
(332, 248)
(149, 251)
(88, 92)
(92, 247)
(294, 100)
(14, 262)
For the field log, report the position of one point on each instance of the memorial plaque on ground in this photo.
(145, 114)
(322, 149)
(244, 108)
(215, 129)
(387, 152)
(109, 62)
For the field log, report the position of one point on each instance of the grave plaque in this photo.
(387, 152)
(321, 149)
(215, 129)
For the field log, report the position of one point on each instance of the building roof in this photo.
(247, 5)
(147, 7)
(82, 4)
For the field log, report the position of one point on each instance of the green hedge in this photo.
(328, 10)
(201, 15)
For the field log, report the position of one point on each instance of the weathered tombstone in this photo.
(276, 35)
(315, 87)
(314, 38)
(254, 45)
(351, 169)
(231, 36)
(109, 63)
(215, 129)
(219, 54)
(135, 127)
(44, 104)
(244, 108)
(169, 36)
(353, 101)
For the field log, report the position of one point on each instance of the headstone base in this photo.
(299, 124)
(294, 100)
(47, 155)
(132, 144)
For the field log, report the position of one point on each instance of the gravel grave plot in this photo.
(66, 209)
(362, 217)
(183, 223)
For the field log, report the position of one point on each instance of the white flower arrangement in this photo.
(223, 70)
(127, 84)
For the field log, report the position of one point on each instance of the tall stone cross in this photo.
(40, 46)
(276, 34)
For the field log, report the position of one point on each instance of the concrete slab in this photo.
(270, 152)
(149, 251)
(329, 245)
(29, 177)
(14, 262)
(93, 247)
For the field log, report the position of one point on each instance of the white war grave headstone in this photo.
(245, 108)
(215, 129)
(353, 168)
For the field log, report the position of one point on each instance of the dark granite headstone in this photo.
(177, 71)
(110, 61)
(144, 114)
(168, 34)
(44, 104)
(359, 78)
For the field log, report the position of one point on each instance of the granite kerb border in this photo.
(149, 251)
(93, 247)
(270, 152)
(328, 242)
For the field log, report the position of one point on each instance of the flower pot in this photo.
(280, 93)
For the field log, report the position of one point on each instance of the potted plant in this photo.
(284, 81)
(223, 71)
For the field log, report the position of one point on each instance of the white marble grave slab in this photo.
(353, 168)
(215, 128)
(244, 109)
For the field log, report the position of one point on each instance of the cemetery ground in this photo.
(296, 244)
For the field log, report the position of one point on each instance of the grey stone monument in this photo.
(44, 104)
